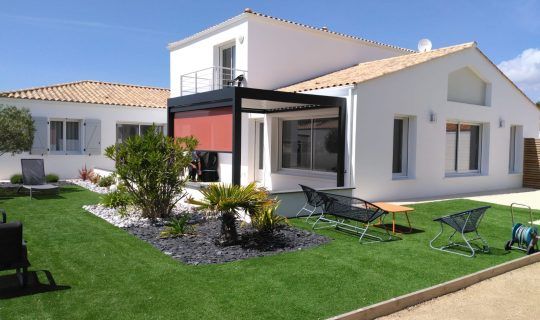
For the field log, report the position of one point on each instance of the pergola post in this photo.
(236, 139)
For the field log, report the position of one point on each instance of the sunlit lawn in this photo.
(113, 275)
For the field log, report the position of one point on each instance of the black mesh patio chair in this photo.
(463, 223)
(13, 253)
(313, 202)
(345, 209)
(33, 172)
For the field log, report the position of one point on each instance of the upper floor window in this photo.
(465, 86)
(310, 144)
(227, 62)
(463, 144)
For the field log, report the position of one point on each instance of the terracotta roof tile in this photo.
(98, 92)
(373, 69)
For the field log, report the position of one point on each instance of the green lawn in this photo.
(113, 275)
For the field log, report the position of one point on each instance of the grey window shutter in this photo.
(92, 136)
(39, 145)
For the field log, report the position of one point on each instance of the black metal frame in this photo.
(232, 97)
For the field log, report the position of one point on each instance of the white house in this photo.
(333, 111)
(76, 121)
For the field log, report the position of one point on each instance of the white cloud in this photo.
(524, 70)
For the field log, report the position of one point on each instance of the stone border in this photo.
(399, 303)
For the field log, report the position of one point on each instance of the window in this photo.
(400, 147)
(65, 136)
(310, 144)
(227, 63)
(516, 149)
(462, 148)
(126, 130)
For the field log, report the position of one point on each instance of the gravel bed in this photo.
(88, 185)
(202, 246)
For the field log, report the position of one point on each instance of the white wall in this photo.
(418, 91)
(67, 166)
(274, 53)
(281, 54)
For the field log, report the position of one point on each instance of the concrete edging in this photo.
(399, 303)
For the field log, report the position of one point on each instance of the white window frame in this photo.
(480, 149)
(138, 124)
(64, 136)
(301, 172)
(515, 161)
(405, 150)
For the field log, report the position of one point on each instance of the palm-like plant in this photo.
(228, 201)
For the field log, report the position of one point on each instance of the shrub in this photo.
(85, 173)
(17, 128)
(16, 179)
(107, 181)
(51, 178)
(152, 167)
(227, 201)
(118, 199)
(267, 220)
(176, 227)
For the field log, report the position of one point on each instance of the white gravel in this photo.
(113, 217)
(89, 185)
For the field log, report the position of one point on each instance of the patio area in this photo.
(104, 270)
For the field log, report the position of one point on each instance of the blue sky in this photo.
(47, 42)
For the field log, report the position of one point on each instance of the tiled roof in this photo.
(248, 11)
(373, 69)
(98, 92)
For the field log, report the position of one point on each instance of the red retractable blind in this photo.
(212, 127)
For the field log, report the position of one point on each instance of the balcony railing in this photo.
(212, 78)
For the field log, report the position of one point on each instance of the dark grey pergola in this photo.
(249, 100)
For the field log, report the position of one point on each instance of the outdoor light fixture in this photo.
(432, 117)
(241, 39)
(501, 123)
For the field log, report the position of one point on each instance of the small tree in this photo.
(16, 130)
(152, 168)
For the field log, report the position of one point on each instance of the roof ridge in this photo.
(465, 45)
(64, 84)
(438, 53)
(325, 29)
(248, 11)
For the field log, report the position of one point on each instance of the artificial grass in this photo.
(113, 275)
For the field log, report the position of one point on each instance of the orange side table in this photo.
(393, 209)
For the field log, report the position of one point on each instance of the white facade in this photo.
(463, 87)
(104, 119)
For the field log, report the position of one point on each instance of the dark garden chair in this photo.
(13, 253)
(341, 211)
(463, 223)
(209, 167)
(313, 202)
(33, 172)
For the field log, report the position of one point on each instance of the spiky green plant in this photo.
(227, 201)
(176, 227)
(267, 220)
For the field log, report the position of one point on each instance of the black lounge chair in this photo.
(13, 253)
(313, 201)
(462, 223)
(345, 209)
(33, 172)
(4, 217)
